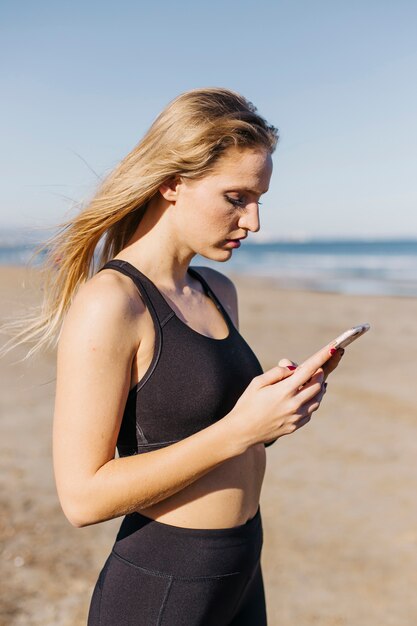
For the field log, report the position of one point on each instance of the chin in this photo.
(217, 254)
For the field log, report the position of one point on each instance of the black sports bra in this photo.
(192, 381)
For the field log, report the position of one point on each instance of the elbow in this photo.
(83, 504)
(78, 521)
(75, 522)
(76, 516)
(78, 513)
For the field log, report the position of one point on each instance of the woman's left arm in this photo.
(226, 291)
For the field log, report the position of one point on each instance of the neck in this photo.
(155, 250)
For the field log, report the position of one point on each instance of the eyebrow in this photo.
(254, 191)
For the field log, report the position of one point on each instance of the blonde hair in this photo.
(186, 139)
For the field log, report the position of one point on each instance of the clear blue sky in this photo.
(82, 81)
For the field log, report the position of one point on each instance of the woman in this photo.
(150, 360)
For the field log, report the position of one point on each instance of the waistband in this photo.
(188, 552)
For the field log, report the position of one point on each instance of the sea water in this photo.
(374, 267)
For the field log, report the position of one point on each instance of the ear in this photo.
(169, 190)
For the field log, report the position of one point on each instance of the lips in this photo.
(237, 239)
(234, 243)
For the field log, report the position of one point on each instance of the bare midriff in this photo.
(227, 496)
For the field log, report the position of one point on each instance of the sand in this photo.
(338, 502)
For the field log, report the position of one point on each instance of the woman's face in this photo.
(224, 205)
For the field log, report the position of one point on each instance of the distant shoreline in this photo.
(349, 266)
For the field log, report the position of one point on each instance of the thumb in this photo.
(273, 375)
(286, 363)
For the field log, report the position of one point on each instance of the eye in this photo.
(239, 202)
(235, 201)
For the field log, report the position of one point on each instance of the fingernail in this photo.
(332, 351)
(291, 367)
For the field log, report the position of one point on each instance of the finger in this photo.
(333, 362)
(318, 376)
(314, 404)
(273, 375)
(323, 389)
(310, 390)
(309, 408)
(303, 421)
(319, 396)
(305, 412)
(306, 370)
(288, 363)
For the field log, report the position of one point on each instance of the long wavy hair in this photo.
(186, 139)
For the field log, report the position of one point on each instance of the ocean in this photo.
(360, 267)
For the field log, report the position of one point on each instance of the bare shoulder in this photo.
(225, 290)
(101, 305)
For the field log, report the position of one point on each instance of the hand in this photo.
(280, 400)
(328, 367)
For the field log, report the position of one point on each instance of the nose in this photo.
(250, 219)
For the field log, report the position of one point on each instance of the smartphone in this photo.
(350, 335)
(318, 359)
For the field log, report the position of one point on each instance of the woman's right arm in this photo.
(95, 352)
(97, 345)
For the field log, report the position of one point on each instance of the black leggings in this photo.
(163, 575)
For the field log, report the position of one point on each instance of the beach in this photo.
(338, 502)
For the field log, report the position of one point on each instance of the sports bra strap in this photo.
(210, 293)
(154, 300)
